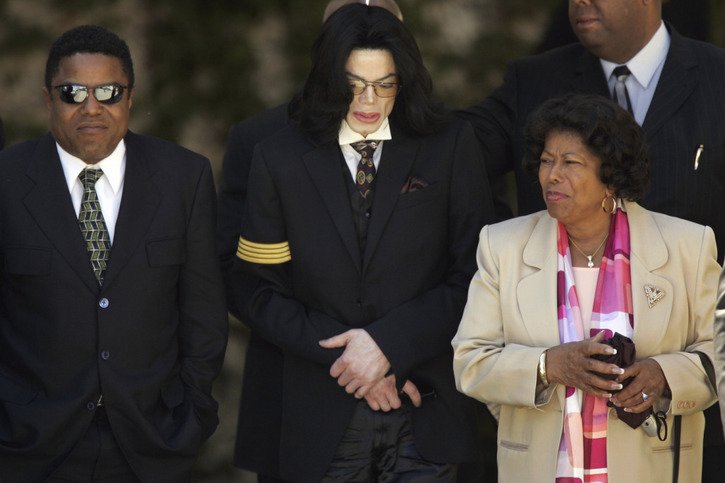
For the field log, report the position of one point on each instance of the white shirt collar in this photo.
(113, 166)
(347, 136)
(645, 63)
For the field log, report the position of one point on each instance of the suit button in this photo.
(358, 303)
(103, 303)
(91, 406)
(105, 355)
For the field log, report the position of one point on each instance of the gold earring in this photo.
(614, 204)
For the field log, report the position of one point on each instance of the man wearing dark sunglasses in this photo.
(112, 316)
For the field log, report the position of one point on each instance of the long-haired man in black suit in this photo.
(364, 254)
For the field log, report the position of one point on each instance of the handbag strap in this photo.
(709, 369)
(676, 431)
(676, 442)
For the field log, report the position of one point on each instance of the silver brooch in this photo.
(654, 294)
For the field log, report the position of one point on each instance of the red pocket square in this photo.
(413, 183)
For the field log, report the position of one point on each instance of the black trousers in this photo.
(379, 447)
(95, 458)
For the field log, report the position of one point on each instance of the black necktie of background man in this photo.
(620, 95)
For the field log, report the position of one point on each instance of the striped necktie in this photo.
(93, 228)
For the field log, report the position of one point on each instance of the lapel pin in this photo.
(654, 294)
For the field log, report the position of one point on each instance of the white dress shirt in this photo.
(646, 68)
(347, 136)
(109, 187)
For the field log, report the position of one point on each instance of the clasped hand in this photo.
(361, 371)
(648, 379)
(572, 364)
(362, 363)
(384, 396)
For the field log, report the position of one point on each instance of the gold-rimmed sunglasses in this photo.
(381, 88)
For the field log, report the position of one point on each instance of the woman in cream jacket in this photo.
(511, 349)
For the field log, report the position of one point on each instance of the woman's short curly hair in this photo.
(605, 128)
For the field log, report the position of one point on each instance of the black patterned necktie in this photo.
(620, 94)
(366, 168)
(93, 227)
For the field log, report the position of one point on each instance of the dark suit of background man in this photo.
(382, 272)
(677, 93)
(107, 365)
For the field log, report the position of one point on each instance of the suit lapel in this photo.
(649, 253)
(49, 203)
(589, 76)
(675, 85)
(395, 165)
(139, 203)
(323, 166)
(536, 293)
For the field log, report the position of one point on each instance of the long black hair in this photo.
(325, 99)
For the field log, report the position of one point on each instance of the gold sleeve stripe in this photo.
(263, 246)
(264, 253)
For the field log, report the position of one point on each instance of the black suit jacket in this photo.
(243, 137)
(151, 340)
(260, 408)
(685, 113)
(407, 290)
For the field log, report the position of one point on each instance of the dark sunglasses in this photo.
(77, 94)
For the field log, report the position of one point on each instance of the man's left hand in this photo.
(361, 365)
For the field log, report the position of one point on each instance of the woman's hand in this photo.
(571, 364)
(648, 380)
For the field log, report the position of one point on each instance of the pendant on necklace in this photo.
(590, 263)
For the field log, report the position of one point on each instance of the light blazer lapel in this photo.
(323, 166)
(139, 203)
(648, 253)
(395, 165)
(536, 293)
(676, 83)
(49, 203)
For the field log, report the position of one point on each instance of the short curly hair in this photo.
(88, 39)
(605, 128)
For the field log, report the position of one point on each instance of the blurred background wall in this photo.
(202, 65)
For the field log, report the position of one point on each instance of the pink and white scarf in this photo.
(583, 448)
